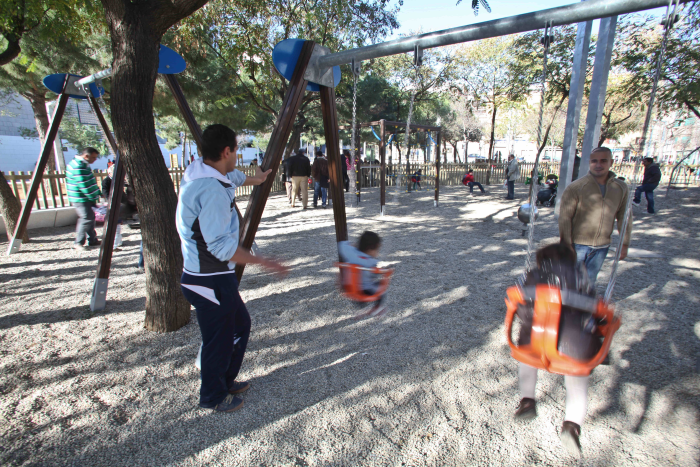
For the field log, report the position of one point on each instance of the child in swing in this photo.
(556, 265)
(364, 255)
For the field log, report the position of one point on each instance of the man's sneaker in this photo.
(526, 409)
(95, 243)
(230, 404)
(239, 387)
(78, 246)
(569, 436)
(636, 203)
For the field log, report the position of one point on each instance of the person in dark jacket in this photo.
(300, 170)
(319, 171)
(652, 177)
(345, 162)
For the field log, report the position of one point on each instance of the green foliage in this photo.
(47, 20)
(80, 136)
(237, 39)
(639, 43)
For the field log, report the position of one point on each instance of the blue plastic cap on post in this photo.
(285, 56)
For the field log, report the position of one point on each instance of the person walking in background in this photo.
(300, 169)
(344, 166)
(512, 173)
(287, 179)
(589, 208)
(83, 194)
(652, 177)
(351, 169)
(319, 171)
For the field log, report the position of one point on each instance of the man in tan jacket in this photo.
(589, 208)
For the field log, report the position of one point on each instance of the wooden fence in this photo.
(52, 193)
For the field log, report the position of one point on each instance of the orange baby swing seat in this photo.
(542, 352)
(351, 282)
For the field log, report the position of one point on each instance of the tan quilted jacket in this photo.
(586, 218)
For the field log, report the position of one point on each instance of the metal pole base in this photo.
(435, 203)
(14, 246)
(382, 211)
(99, 295)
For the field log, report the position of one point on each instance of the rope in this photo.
(668, 23)
(531, 223)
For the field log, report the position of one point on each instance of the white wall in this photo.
(20, 154)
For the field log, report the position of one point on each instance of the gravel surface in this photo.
(429, 383)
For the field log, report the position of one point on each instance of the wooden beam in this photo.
(98, 300)
(191, 121)
(330, 129)
(47, 147)
(382, 168)
(185, 110)
(275, 150)
(115, 198)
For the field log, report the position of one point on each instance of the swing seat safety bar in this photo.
(542, 352)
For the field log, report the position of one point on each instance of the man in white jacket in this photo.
(208, 226)
(512, 173)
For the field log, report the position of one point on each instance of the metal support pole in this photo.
(16, 240)
(382, 166)
(99, 290)
(275, 150)
(573, 113)
(437, 168)
(567, 14)
(599, 84)
(408, 165)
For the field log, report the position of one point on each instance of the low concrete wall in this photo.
(59, 217)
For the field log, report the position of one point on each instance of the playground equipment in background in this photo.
(398, 178)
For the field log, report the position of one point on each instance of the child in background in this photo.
(416, 179)
(365, 255)
(469, 181)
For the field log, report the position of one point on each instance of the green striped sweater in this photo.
(80, 182)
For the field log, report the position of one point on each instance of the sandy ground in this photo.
(430, 383)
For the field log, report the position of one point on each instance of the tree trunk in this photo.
(41, 119)
(135, 44)
(10, 208)
(37, 99)
(454, 148)
(493, 133)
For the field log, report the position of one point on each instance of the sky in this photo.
(435, 15)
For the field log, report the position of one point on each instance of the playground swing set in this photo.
(310, 66)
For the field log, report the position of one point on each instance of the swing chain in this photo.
(354, 145)
(546, 41)
(669, 20)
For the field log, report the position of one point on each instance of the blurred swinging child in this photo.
(365, 256)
